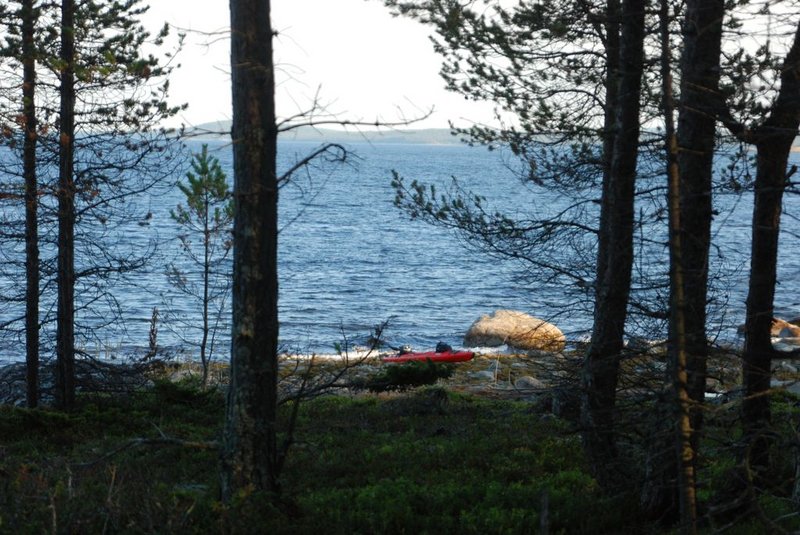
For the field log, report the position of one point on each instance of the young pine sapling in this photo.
(208, 215)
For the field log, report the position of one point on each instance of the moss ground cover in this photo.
(421, 461)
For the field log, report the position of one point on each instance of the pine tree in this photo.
(99, 98)
(570, 74)
(250, 453)
(208, 214)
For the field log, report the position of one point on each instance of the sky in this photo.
(362, 63)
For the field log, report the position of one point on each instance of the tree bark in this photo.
(615, 248)
(65, 329)
(28, 13)
(758, 351)
(773, 140)
(688, 344)
(612, 73)
(700, 66)
(250, 456)
(670, 490)
(658, 497)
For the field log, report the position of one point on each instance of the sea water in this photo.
(350, 260)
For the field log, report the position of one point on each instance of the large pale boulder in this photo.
(780, 328)
(515, 329)
(785, 329)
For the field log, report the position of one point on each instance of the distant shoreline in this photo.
(356, 134)
(424, 136)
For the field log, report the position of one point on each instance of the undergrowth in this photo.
(399, 377)
(426, 461)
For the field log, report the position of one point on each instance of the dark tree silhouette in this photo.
(772, 133)
(570, 72)
(28, 16)
(250, 449)
(65, 275)
(615, 249)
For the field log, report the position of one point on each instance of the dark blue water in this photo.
(353, 260)
(350, 260)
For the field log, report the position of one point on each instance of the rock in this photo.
(646, 346)
(713, 385)
(789, 386)
(485, 375)
(494, 366)
(515, 329)
(786, 344)
(787, 334)
(780, 328)
(539, 354)
(784, 329)
(526, 382)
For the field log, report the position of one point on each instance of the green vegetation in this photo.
(424, 461)
(206, 222)
(408, 375)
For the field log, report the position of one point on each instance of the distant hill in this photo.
(427, 136)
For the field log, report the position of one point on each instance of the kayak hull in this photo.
(445, 356)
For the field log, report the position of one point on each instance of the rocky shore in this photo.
(540, 376)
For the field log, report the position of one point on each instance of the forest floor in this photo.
(494, 448)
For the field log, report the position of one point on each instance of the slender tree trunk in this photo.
(615, 256)
(28, 12)
(773, 141)
(758, 351)
(250, 456)
(700, 66)
(678, 341)
(671, 453)
(670, 490)
(597, 409)
(686, 452)
(65, 330)
(206, 282)
(609, 119)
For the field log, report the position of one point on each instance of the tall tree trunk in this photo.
(612, 73)
(658, 497)
(688, 347)
(615, 250)
(700, 67)
(687, 480)
(250, 456)
(29, 16)
(773, 141)
(597, 409)
(758, 351)
(670, 491)
(65, 330)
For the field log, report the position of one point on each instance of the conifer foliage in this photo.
(207, 215)
(100, 93)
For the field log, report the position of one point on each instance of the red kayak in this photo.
(444, 356)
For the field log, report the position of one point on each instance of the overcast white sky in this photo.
(365, 63)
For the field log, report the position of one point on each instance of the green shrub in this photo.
(397, 377)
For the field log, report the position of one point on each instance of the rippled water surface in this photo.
(350, 260)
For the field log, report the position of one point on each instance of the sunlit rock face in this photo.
(515, 329)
